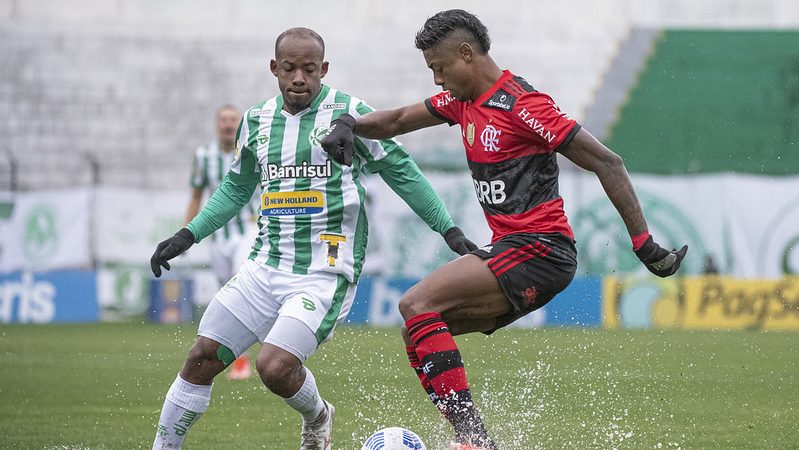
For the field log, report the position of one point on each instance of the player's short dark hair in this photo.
(301, 32)
(438, 27)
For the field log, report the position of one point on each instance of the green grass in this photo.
(101, 387)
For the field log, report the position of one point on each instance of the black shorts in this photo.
(531, 269)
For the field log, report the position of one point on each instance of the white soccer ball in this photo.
(394, 438)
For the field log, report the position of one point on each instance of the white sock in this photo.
(183, 406)
(307, 400)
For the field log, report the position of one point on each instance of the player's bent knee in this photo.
(203, 350)
(414, 302)
(276, 373)
(202, 363)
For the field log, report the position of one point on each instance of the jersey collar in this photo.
(312, 107)
(506, 75)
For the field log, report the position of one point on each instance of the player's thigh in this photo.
(531, 270)
(245, 302)
(461, 289)
(222, 326)
(289, 335)
(317, 301)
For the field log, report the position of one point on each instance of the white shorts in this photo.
(258, 295)
(227, 255)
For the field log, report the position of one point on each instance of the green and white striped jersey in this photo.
(209, 168)
(312, 215)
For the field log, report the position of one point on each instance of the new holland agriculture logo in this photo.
(604, 245)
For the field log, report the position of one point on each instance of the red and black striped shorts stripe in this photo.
(530, 268)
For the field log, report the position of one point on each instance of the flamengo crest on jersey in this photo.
(511, 133)
(312, 214)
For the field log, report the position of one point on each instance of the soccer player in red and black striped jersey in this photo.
(511, 133)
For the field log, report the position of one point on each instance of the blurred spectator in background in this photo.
(231, 243)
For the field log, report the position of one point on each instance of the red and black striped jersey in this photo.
(511, 133)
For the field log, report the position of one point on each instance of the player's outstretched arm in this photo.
(389, 123)
(405, 178)
(376, 125)
(590, 154)
(234, 192)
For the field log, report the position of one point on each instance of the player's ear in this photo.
(325, 65)
(273, 67)
(466, 51)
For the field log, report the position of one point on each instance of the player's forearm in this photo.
(390, 123)
(590, 154)
(378, 124)
(223, 205)
(405, 178)
(192, 210)
(619, 188)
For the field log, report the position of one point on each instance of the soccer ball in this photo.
(394, 438)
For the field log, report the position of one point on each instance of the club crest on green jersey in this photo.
(315, 138)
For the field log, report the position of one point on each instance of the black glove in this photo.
(458, 242)
(658, 260)
(338, 140)
(169, 249)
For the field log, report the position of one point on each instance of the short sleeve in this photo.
(537, 115)
(444, 107)
(245, 167)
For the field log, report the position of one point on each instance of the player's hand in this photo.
(658, 260)
(169, 249)
(338, 140)
(458, 242)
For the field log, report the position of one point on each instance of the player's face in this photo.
(227, 123)
(451, 70)
(299, 68)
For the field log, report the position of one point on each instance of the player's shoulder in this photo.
(513, 92)
(340, 100)
(265, 108)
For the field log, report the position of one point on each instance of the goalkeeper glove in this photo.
(338, 140)
(658, 260)
(169, 249)
(458, 242)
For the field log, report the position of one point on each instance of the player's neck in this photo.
(487, 74)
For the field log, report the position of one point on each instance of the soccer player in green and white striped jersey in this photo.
(302, 273)
(230, 244)
(210, 165)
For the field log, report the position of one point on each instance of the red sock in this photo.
(437, 353)
(441, 365)
(416, 365)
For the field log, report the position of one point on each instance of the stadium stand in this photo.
(118, 85)
(92, 80)
(714, 101)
